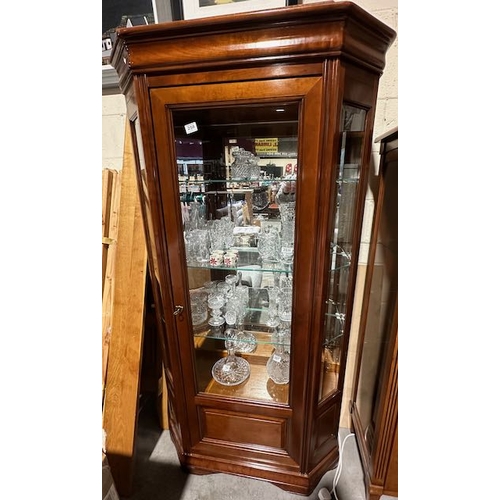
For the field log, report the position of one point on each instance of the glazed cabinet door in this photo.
(238, 175)
(343, 200)
(343, 205)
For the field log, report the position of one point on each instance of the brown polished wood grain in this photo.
(315, 58)
(374, 404)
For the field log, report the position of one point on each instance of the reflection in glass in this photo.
(343, 204)
(237, 184)
(381, 309)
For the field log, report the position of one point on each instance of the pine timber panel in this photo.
(162, 400)
(111, 187)
(125, 349)
(110, 192)
(107, 189)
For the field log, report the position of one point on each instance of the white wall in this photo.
(386, 117)
(113, 130)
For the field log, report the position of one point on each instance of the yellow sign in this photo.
(269, 145)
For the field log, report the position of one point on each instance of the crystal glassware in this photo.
(217, 236)
(232, 369)
(197, 244)
(278, 365)
(285, 280)
(245, 340)
(227, 228)
(287, 213)
(202, 239)
(231, 280)
(199, 312)
(272, 310)
(285, 303)
(210, 287)
(245, 165)
(216, 302)
(283, 334)
(286, 255)
(269, 244)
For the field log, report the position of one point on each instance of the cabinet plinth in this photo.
(252, 137)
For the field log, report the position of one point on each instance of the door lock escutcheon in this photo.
(178, 310)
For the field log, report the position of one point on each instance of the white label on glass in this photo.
(190, 128)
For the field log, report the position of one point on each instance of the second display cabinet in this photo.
(252, 137)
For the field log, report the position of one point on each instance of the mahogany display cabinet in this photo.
(252, 136)
(374, 404)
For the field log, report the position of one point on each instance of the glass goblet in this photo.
(216, 303)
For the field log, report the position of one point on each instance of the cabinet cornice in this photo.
(276, 36)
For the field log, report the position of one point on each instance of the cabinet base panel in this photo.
(279, 470)
(298, 484)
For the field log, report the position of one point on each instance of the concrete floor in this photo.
(158, 476)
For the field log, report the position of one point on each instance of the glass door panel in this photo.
(344, 204)
(382, 307)
(237, 171)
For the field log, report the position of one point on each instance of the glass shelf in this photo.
(262, 337)
(346, 181)
(342, 261)
(271, 267)
(263, 334)
(255, 321)
(234, 180)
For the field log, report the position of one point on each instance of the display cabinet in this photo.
(252, 136)
(374, 405)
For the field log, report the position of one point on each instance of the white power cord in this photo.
(339, 467)
(323, 493)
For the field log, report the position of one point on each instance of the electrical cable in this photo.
(339, 467)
